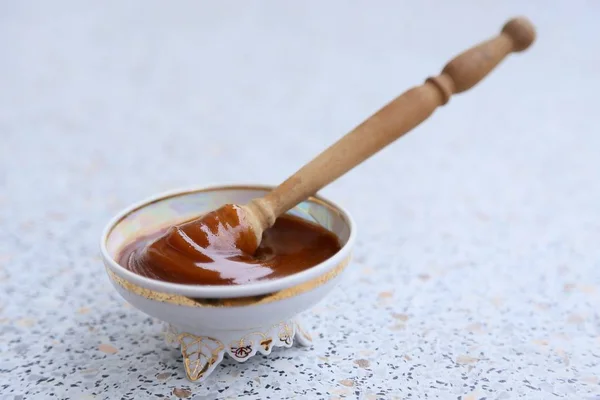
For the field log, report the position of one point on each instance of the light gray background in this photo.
(477, 269)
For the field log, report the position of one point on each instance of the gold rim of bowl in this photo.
(229, 302)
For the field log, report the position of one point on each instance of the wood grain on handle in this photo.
(397, 118)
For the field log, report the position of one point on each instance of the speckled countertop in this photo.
(477, 268)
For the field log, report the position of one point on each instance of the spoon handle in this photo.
(398, 117)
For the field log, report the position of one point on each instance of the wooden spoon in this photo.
(388, 124)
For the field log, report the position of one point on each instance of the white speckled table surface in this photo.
(481, 279)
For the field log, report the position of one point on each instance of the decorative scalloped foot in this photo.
(303, 337)
(202, 353)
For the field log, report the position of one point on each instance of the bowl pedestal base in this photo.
(203, 351)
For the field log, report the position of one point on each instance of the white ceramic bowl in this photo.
(240, 320)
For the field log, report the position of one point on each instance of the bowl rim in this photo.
(223, 291)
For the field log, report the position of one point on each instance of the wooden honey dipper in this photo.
(246, 223)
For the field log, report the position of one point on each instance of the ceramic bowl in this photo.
(205, 321)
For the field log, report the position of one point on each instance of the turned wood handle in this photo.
(398, 117)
